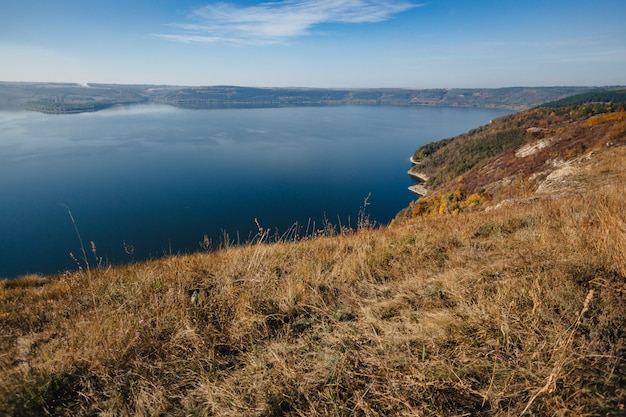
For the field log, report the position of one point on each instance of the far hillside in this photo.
(65, 98)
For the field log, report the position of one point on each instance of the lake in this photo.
(146, 181)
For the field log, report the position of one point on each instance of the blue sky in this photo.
(315, 43)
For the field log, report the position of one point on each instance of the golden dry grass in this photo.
(492, 313)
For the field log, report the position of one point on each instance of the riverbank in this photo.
(419, 188)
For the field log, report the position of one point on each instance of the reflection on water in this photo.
(160, 178)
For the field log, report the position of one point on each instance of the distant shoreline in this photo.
(58, 98)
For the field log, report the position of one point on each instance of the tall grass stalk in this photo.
(85, 259)
(80, 239)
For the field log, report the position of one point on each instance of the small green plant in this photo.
(43, 395)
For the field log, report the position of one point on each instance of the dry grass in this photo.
(499, 313)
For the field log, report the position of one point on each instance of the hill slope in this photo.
(501, 312)
(518, 155)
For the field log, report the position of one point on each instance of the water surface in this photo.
(159, 178)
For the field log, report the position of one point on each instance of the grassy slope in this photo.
(487, 312)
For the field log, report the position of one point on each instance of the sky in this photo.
(316, 43)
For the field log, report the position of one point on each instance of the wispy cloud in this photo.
(279, 21)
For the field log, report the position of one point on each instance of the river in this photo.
(145, 181)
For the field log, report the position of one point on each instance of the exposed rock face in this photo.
(420, 177)
(534, 147)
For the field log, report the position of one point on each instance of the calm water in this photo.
(160, 178)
